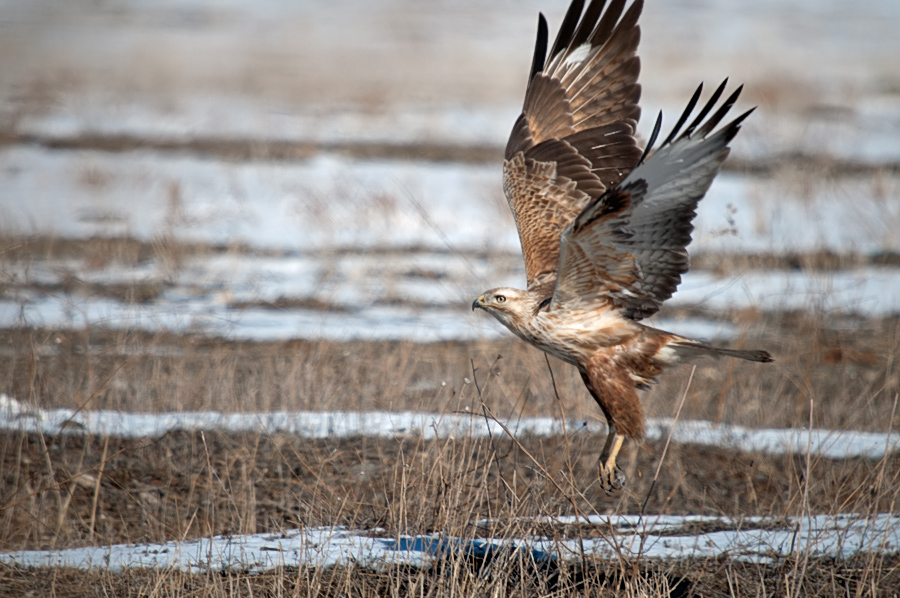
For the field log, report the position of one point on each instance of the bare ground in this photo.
(189, 485)
(867, 575)
(77, 490)
(837, 373)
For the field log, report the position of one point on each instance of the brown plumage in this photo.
(603, 230)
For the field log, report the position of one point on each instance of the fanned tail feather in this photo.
(693, 348)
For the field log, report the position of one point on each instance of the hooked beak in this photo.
(478, 303)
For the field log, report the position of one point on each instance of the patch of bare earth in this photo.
(829, 372)
(75, 490)
(864, 576)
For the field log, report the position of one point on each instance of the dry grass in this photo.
(467, 578)
(78, 490)
(846, 371)
(75, 490)
(81, 491)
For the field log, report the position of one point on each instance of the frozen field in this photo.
(756, 540)
(823, 73)
(239, 244)
(347, 248)
(833, 444)
(371, 179)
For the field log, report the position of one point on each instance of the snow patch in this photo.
(668, 537)
(835, 444)
(331, 201)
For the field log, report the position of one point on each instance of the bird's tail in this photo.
(689, 348)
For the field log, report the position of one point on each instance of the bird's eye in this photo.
(500, 299)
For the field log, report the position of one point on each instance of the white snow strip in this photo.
(864, 134)
(332, 201)
(416, 296)
(839, 536)
(325, 202)
(753, 538)
(208, 316)
(321, 547)
(380, 323)
(865, 291)
(833, 444)
(836, 444)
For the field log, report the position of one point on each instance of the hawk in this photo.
(603, 225)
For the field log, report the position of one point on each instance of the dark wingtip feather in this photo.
(714, 120)
(709, 106)
(632, 14)
(732, 128)
(567, 29)
(586, 27)
(653, 137)
(743, 117)
(607, 22)
(540, 48)
(684, 115)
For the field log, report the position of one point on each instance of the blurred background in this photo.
(283, 170)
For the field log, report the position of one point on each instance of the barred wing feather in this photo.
(575, 136)
(628, 247)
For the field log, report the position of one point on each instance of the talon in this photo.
(611, 478)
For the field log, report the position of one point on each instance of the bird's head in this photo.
(510, 306)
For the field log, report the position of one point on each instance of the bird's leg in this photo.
(611, 477)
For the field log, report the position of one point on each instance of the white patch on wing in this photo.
(578, 54)
(667, 356)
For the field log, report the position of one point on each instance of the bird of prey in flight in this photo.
(604, 224)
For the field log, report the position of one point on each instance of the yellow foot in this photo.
(611, 477)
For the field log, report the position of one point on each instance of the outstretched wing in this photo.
(628, 248)
(575, 136)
